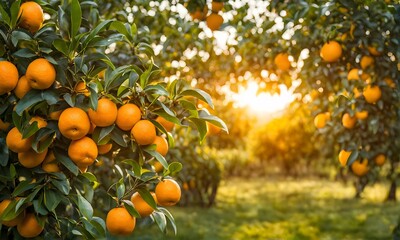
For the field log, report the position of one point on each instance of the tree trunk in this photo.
(360, 185)
(392, 191)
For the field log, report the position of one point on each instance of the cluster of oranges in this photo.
(77, 125)
(40, 75)
(214, 20)
(332, 52)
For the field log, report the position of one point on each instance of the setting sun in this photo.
(262, 102)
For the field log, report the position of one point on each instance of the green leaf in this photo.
(175, 167)
(90, 176)
(120, 188)
(17, 35)
(22, 187)
(24, 53)
(51, 200)
(62, 185)
(119, 137)
(129, 206)
(160, 219)
(10, 212)
(76, 17)
(201, 126)
(30, 99)
(156, 89)
(157, 155)
(170, 218)
(213, 119)
(353, 157)
(147, 197)
(85, 207)
(135, 166)
(67, 162)
(4, 16)
(61, 46)
(199, 94)
(14, 10)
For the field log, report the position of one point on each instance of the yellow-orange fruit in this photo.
(41, 122)
(119, 222)
(353, 74)
(217, 6)
(74, 123)
(362, 115)
(8, 77)
(331, 51)
(16, 143)
(22, 87)
(106, 113)
(105, 148)
(141, 206)
(344, 156)
(168, 192)
(372, 93)
(214, 21)
(165, 123)
(374, 51)
(81, 88)
(41, 74)
(366, 61)
(348, 121)
(282, 61)
(83, 152)
(161, 145)
(144, 132)
(4, 125)
(127, 116)
(31, 16)
(29, 227)
(13, 222)
(380, 159)
(50, 163)
(31, 159)
(360, 168)
(320, 120)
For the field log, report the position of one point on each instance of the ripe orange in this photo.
(168, 192)
(372, 93)
(106, 113)
(128, 115)
(356, 92)
(366, 61)
(74, 123)
(50, 163)
(101, 74)
(83, 152)
(282, 61)
(380, 159)
(198, 14)
(40, 73)
(161, 145)
(185, 186)
(320, 120)
(4, 125)
(390, 82)
(13, 222)
(31, 159)
(144, 132)
(55, 115)
(41, 122)
(212, 129)
(353, 74)
(158, 167)
(16, 143)
(81, 88)
(119, 222)
(362, 115)
(105, 148)
(331, 51)
(374, 51)
(360, 168)
(216, 6)
(8, 77)
(343, 157)
(141, 206)
(22, 87)
(348, 121)
(165, 123)
(29, 227)
(214, 21)
(31, 16)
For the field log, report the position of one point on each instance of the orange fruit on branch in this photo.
(119, 222)
(13, 222)
(105, 148)
(22, 87)
(50, 163)
(141, 206)
(127, 116)
(320, 120)
(161, 145)
(217, 6)
(83, 152)
(380, 159)
(40, 73)
(105, 114)
(372, 93)
(16, 143)
(331, 51)
(165, 123)
(8, 77)
(344, 156)
(29, 227)
(31, 16)
(31, 159)
(348, 121)
(168, 192)
(282, 61)
(362, 115)
(144, 132)
(74, 123)
(214, 21)
(366, 61)
(360, 168)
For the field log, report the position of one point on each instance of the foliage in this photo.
(76, 40)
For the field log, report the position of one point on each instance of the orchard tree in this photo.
(66, 105)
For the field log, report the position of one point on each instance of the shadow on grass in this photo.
(285, 209)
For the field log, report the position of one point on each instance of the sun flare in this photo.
(262, 102)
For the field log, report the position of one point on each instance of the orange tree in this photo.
(65, 104)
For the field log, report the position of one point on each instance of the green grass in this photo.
(284, 209)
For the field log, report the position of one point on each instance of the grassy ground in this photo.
(285, 209)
